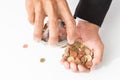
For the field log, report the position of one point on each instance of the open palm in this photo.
(88, 32)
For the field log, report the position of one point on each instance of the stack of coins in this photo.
(62, 32)
(79, 54)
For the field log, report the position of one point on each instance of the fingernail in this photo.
(66, 65)
(73, 67)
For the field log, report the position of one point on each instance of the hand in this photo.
(55, 9)
(88, 32)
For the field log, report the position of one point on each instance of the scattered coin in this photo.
(25, 46)
(87, 51)
(42, 60)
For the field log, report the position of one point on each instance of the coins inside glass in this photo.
(62, 36)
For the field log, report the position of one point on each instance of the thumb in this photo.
(98, 55)
(95, 62)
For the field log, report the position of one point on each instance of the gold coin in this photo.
(65, 55)
(77, 61)
(91, 54)
(70, 59)
(81, 54)
(73, 54)
(88, 64)
(81, 46)
(87, 51)
(75, 49)
(88, 57)
(42, 60)
(67, 50)
(79, 49)
(77, 44)
(83, 59)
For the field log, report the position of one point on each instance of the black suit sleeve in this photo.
(93, 11)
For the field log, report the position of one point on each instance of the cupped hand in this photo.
(88, 32)
(54, 9)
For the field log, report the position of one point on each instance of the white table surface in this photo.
(17, 63)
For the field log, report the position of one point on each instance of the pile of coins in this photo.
(62, 32)
(79, 54)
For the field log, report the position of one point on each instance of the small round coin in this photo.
(91, 53)
(83, 60)
(25, 46)
(88, 57)
(88, 64)
(42, 60)
(87, 51)
(73, 53)
(77, 61)
(70, 59)
(80, 54)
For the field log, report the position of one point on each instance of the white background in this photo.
(17, 63)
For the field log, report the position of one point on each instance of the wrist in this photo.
(93, 26)
(88, 31)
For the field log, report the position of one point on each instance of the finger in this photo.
(81, 68)
(53, 31)
(98, 55)
(30, 11)
(51, 12)
(69, 21)
(63, 60)
(73, 67)
(66, 65)
(96, 60)
(39, 21)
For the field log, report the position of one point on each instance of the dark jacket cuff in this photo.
(93, 11)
